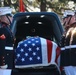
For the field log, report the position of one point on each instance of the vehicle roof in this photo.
(55, 15)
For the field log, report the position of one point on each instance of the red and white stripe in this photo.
(50, 52)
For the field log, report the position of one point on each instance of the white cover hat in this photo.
(5, 10)
(67, 13)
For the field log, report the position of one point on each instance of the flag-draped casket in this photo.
(36, 51)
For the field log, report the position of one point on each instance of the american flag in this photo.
(35, 51)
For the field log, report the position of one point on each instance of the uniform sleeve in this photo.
(2, 41)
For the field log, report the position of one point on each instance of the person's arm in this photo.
(2, 46)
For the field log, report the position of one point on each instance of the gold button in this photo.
(7, 54)
(3, 57)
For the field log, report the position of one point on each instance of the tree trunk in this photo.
(43, 5)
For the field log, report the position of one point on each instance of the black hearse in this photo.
(43, 24)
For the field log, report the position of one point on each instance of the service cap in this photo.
(68, 13)
(5, 10)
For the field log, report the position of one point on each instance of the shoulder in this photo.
(69, 31)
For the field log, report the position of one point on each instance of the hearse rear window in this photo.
(36, 25)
